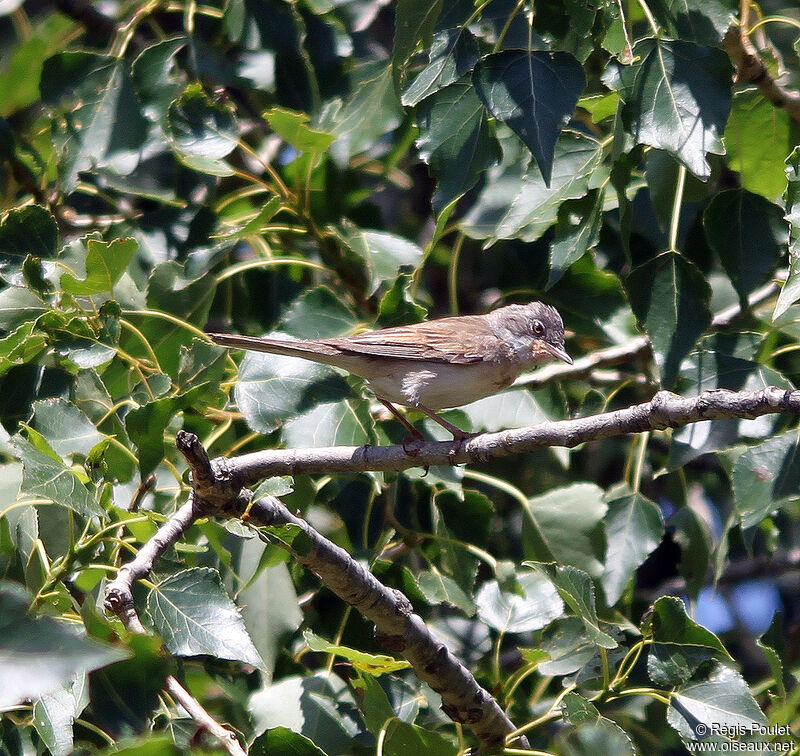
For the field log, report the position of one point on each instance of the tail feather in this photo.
(316, 351)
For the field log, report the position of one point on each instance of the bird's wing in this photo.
(456, 340)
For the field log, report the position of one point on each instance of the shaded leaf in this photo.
(532, 605)
(455, 140)
(29, 230)
(577, 231)
(765, 477)
(568, 646)
(701, 21)
(413, 25)
(45, 475)
(669, 296)
(452, 54)
(748, 234)
(66, 429)
(105, 263)
(272, 389)
(577, 590)
(677, 97)
(679, 645)
(318, 314)
(194, 615)
(39, 655)
(634, 528)
(534, 93)
(516, 202)
(566, 525)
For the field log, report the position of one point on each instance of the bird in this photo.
(436, 364)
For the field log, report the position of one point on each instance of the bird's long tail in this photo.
(316, 351)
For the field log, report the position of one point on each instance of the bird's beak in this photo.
(558, 352)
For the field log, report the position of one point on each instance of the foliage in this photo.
(319, 166)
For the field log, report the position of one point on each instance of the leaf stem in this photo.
(676, 209)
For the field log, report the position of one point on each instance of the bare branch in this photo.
(751, 69)
(665, 410)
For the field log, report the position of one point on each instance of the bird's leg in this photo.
(414, 434)
(459, 436)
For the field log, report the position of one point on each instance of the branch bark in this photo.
(751, 69)
(219, 489)
(665, 410)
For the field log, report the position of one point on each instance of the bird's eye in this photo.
(538, 327)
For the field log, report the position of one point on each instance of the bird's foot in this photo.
(412, 443)
(458, 441)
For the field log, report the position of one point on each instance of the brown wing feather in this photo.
(457, 340)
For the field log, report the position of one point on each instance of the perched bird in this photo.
(438, 364)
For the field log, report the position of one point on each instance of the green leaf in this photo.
(382, 253)
(634, 528)
(414, 21)
(29, 230)
(372, 664)
(105, 128)
(54, 715)
(591, 733)
(534, 93)
(66, 429)
(702, 21)
(455, 140)
(200, 363)
(202, 131)
(790, 292)
(317, 706)
(272, 389)
(194, 615)
(532, 604)
(577, 590)
(748, 234)
(343, 423)
(758, 136)
(577, 231)
(442, 589)
(566, 525)
(766, 477)
(154, 78)
(171, 290)
(693, 535)
(398, 306)
(679, 645)
(566, 25)
(669, 296)
(773, 645)
(145, 426)
(105, 263)
(677, 97)
(46, 476)
(291, 126)
(720, 702)
(285, 741)
(39, 655)
(372, 110)
(515, 201)
(318, 314)
(568, 646)
(453, 53)
(20, 346)
(508, 409)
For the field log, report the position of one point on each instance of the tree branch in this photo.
(218, 489)
(665, 410)
(751, 69)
